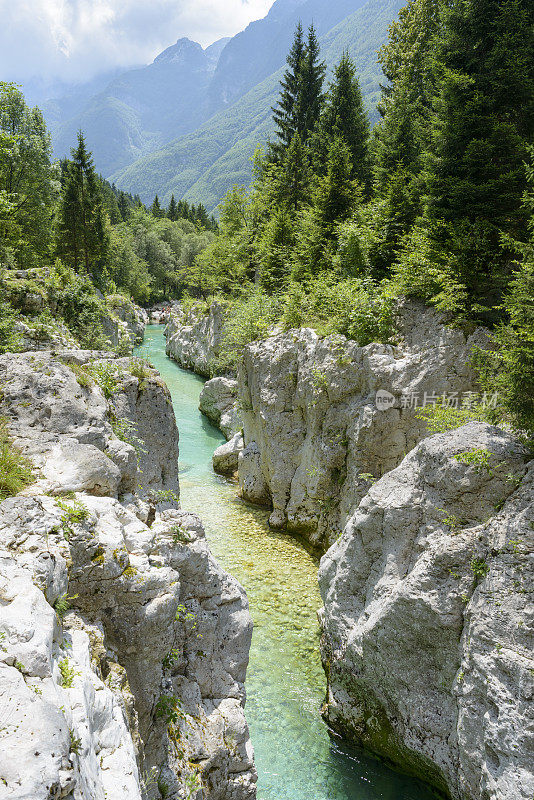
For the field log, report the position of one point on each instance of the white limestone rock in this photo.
(218, 401)
(67, 429)
(143, 676)
(194, 338)
(311, 424)
(226, 457)
(427, 635)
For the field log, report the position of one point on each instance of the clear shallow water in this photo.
(295, 756)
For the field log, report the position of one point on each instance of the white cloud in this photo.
(75, 39)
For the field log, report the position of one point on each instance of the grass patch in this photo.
(15, 469)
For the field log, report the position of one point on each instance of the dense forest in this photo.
(436, 202)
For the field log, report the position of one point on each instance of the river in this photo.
(295, 756)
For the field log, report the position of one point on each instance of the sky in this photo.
(74, 40)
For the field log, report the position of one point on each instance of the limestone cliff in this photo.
(427, 627)
(314, 434)
(123, 644)
(194, 337)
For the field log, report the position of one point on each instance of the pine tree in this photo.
(172, 211)
(310, 97)
(123, 206)
(292, 178)
(484, 118)
(284, 113)
(156, 210)
(344, 116)
(83, 238)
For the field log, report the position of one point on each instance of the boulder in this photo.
(123, 645)
(426, 635)
(218, 401)
(315, 427)
(226, 457)
(194, 337)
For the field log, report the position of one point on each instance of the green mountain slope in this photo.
(203, 165)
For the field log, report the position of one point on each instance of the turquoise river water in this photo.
(296, 757)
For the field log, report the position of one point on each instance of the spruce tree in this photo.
(124, 207)
(156, 210)
(285, 112)
(310, 96)
(334, 201)
(292, 179)
(344, 116)
(172, 211)
(83, 239)
(484, 117)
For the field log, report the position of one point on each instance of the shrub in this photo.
(10, 340)
(440, 419)
(247, 320)
(68, 674)
(15, 470)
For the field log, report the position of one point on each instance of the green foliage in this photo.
(15, 469)
(344, 117)
(479, 459)
(440, 419)
(509, 367)
(75, 743)
(171, 658)
(126, 431)
(74, 513)
(82, 223)
(10, 339)
(63, 604)
(105, 375)
(68, 674)
(479, 568)
(360, 309)
(28, 181)
(245, 322)
(169, 708)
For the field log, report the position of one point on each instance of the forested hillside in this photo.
(203, 165)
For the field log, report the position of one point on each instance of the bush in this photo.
(360, 308)
(15, 469)
(247, 320)
(10, 340)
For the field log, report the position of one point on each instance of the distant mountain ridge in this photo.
(203, 165)
(188, 123)
(141, 109)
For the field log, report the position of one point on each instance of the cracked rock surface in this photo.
(123, 647)
(427, 626)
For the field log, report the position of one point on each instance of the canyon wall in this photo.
(123, 644)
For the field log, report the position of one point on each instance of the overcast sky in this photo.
(76, 39)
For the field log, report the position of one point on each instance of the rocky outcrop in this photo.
(218, 401)
(314, 431)
(226, 457)
(126, 322)
(123, 644)
(427, 630)
(194, 337)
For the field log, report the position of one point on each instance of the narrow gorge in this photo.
(425, 626)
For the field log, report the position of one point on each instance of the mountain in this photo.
(261, 49)
(139, 110)
(204, 164)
